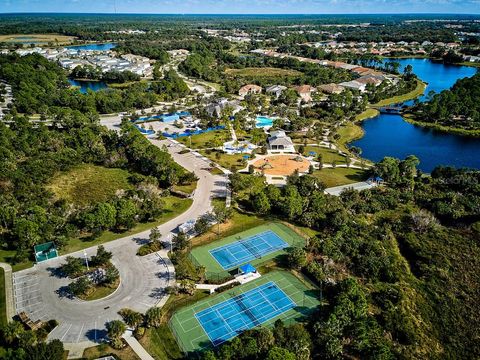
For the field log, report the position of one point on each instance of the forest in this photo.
(32, 155)
(457, 108)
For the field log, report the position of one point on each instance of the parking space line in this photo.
(80, 333)
(61, 339)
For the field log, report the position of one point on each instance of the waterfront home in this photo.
(354, 85)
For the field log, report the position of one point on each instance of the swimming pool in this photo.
(263, 121)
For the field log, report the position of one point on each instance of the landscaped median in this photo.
(278, 295)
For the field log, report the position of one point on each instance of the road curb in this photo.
(10, 306)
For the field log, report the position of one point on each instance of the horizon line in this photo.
(244, 14)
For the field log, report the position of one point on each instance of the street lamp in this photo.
(86, 259)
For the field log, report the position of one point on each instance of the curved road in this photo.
(39, 291)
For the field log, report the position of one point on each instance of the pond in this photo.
(85, 85)
(95, 47)
(390, 135)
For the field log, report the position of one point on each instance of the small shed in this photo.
(44, 252)
(247, 269)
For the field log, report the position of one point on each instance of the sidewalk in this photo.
(136, 346)
(10, 307)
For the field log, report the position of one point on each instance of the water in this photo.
(95, 47)
(85, 85)
(263, 121)
(390, 135)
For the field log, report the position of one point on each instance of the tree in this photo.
(131, 318)
(260, 203)
(102, 257)
(80, 286)
(297, 258)
(180, 242)
(115, 329)
(202, 224)
(265, 339)
(155, 235)
(126, 212)
(278, 353)
(187, 286)
(12, 331)
(72, 267)
(154, 317)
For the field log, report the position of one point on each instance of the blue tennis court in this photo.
(248, 249)
(228, 319)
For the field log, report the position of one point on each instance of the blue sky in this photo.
(244, 6)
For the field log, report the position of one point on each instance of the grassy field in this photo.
(367, 114)
(174, 206)
(237, 223)
(328, 155)
(225, 160)
(203, 256)
(348, 133)
(3, 301)
(437, 127)
(418, 91)
(192, 337)
(102, 350)
(89, 184)
(340, 176)
(206, 140)
(37, 38)
(187, 189)
(263, 72)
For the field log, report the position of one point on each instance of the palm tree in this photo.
(115, 329)
(12, 331)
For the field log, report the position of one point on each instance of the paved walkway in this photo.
(136, 346)
(10, 307)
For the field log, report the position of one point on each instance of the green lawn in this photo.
(328, 155)
(348, 133)
(102, 350)
(417, 92)
(225, 160)
(237, 223)
(206, 140)
(89, 184)
(190, 334)
(187, 189)
(203, 257)
(174, 206)
(340, 176)
(367, 114)
(3, 300)
(101, 292)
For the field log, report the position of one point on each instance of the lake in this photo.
(88, 85)
(390, 135)
(95, 47)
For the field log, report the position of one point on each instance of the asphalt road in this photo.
(40, 292)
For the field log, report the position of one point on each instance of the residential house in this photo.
(249, 89)
(279, 141)
(331, 88)
(275, 90)
(354, 85)
(305, 92)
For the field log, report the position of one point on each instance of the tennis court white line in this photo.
(261, 317)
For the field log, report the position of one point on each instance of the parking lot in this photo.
(41, 294)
